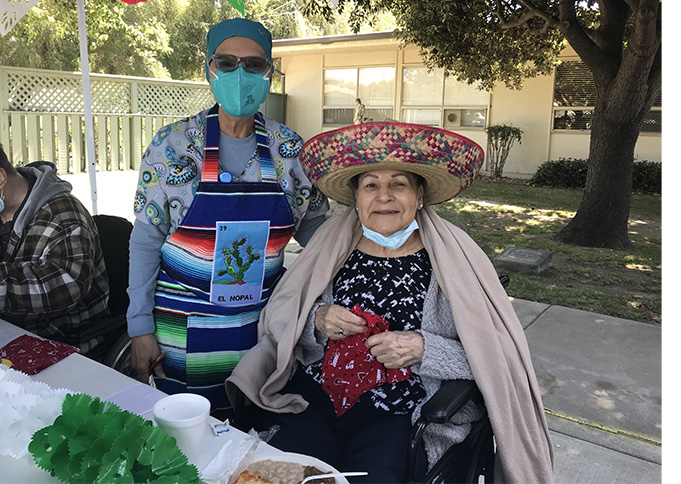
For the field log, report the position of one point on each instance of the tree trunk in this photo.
(602, 219)
(627, 80)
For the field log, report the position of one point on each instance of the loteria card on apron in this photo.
(239, 262)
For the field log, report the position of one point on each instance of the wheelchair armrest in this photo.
(238, 401)
(449, 399)
(108, 328)
(504, 279)
(111, 323)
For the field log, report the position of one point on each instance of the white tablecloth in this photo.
(79, 374)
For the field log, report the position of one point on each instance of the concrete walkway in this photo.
(601, 384)
(600, 376)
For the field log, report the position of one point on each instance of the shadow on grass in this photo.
(624, 283)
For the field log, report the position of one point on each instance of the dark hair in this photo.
(5, 164)
(418, 181)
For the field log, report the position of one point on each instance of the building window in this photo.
(574, 96)
(377, 92)
(431, 98)
(430, 117)
(340, 91)
(375, 86)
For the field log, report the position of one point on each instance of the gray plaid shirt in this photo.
(52, 275)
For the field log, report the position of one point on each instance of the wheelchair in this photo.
(471, 461)
(114, 345)
(466, 462)
(114, 232)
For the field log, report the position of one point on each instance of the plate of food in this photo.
(286, 468)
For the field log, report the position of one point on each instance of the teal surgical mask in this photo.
(239, 93)
(394, 241)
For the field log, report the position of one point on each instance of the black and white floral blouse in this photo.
(394, 288)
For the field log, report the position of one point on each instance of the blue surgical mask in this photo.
(239, 93)
(394, 241)
(2, 201)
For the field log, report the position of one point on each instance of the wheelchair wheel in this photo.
(119, 356)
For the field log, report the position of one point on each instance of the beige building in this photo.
(323, 77)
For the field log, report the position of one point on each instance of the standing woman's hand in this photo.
(336, 322)
(145, 350)
(397, 349)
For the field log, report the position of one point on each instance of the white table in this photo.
(79, 374)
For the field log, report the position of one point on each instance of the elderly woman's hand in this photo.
(144, 352)
(396, 349)
(336, 322)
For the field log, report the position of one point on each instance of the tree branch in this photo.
(532, 11)
(641, 63)
(646, 34)
(580, 40)
(546, 16)
(567, 11)
(610, 34)
(522, 20)
(643, 44)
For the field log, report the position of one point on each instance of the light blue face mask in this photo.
(394, 241)
(239, 93)
(2, 200)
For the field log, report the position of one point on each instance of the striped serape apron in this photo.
(218, 270)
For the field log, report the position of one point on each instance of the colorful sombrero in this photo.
(448, 161)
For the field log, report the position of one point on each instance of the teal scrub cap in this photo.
(238, 27)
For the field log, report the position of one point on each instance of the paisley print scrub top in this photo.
(171, 171)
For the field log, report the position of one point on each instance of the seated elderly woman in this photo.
(386, 302)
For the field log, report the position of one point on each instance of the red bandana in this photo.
(349, 369)
(32, 355)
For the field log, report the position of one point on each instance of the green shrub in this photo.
(647, 177)
(500, 139)
(571, 173)
(562, 173)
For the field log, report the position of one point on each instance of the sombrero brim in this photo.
(447, 160)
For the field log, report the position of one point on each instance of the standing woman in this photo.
(220, 194)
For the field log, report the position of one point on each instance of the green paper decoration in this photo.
(96, 442)
(239, 5)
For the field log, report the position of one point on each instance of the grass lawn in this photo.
(624, 283)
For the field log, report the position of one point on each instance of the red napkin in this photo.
(32, 355)
(349, 369)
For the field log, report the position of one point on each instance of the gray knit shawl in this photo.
(489, 329)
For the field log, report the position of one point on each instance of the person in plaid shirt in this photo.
(53, 280)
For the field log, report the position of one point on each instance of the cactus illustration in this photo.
(240, 267)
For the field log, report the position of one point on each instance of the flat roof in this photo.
(332, 39)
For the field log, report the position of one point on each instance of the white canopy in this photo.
(11, 11)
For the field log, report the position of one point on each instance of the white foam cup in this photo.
(184, 416)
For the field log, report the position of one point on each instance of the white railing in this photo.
(42, 116)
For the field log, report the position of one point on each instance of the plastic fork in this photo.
(333, 474)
